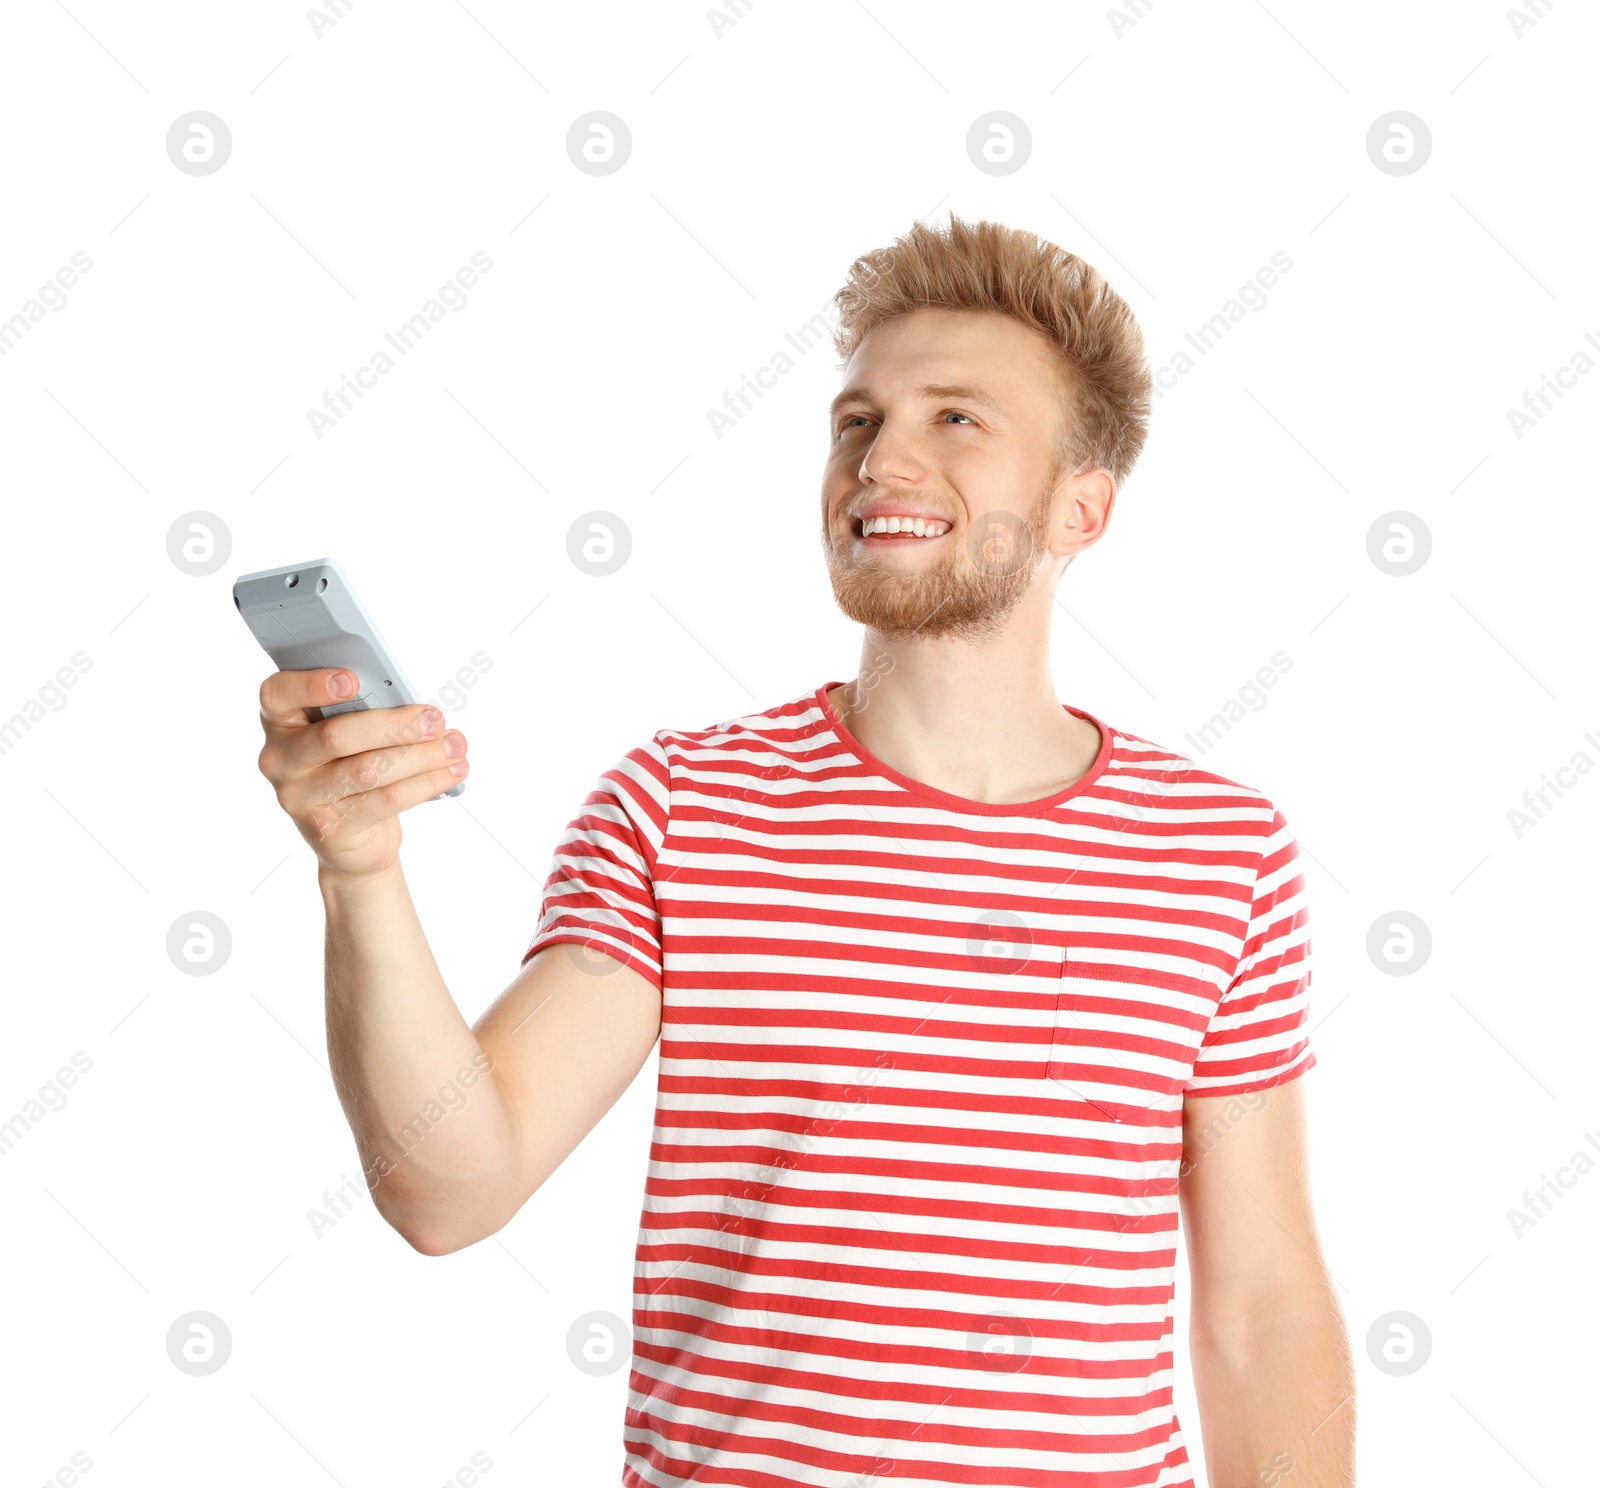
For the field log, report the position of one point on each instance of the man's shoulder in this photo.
(785, 722)
(1187, 781)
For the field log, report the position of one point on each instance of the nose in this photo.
(888, 462)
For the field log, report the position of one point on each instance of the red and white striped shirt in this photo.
(911, 1209)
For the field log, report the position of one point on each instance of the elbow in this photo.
(416, 1228)
(435, 1240)
(429, 1244)
(437, 1222)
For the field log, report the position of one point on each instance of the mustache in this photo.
(857, 515)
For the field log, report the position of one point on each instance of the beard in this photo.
(968, 592)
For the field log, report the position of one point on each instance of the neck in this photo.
(978, 719)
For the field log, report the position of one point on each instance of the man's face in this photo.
(953, 416)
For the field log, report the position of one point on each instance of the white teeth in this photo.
(919, 526)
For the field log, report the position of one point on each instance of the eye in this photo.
(850, 418)
(957, 413)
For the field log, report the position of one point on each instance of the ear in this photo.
(1080, 510)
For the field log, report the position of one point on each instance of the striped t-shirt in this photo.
(911, 1208)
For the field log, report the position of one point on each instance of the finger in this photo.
(346, 735)
(366, 770)
(353, 812)
(286, 695)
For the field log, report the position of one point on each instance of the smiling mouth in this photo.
(916, 529)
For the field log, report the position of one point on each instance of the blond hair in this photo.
(1106, 383)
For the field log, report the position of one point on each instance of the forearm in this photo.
(1276, 1390)
(433, 1130)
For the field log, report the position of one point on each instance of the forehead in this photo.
(982, 348)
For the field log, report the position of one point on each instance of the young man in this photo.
(962, 993)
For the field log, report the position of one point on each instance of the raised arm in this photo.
(456, 1126)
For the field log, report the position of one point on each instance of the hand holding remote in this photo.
(345, 779)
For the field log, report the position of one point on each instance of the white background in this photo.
(368, 165)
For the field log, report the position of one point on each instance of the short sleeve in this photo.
(600, 891)
(1258, 1035)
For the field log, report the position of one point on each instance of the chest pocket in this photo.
(1125, 1037)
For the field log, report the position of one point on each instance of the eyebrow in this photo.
(927, 390)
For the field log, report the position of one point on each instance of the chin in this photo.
(903, 609)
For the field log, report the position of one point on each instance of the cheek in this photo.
(838, 482)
